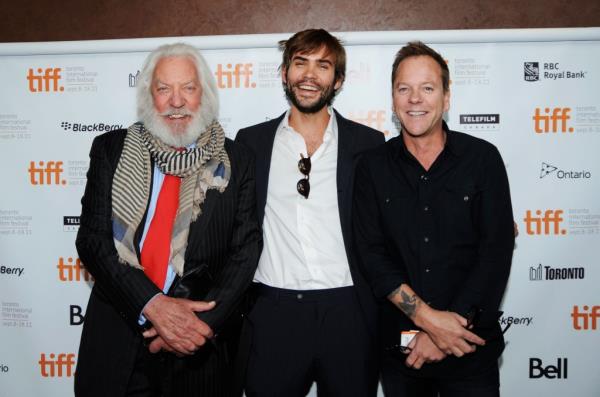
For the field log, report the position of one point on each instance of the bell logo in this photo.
(549, 121)
(40, 82)
(558, 371)
(371, 118)
(585, 319)
(43, 173)
(57, 365)
(234, 76)
(72, 271)
(549, 223)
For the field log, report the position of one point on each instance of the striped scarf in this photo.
(202, 168)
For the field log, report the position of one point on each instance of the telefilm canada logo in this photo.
(92, 127)
(551, 71)
(71, 223)
(552, 171)
(480, 122)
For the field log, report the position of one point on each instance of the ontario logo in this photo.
(554, 171)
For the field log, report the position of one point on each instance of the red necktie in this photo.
(157, 245)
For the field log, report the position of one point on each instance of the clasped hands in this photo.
(176, 328)
(444, 333)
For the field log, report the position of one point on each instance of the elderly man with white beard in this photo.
(169, 232)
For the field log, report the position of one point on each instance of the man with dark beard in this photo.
(169, 232)
(314, 319)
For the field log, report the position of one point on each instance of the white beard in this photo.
(156, 125)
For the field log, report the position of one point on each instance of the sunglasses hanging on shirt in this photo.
(303, 185)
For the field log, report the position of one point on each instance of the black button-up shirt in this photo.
(447, 232)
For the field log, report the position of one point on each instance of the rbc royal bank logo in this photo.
(531, 71)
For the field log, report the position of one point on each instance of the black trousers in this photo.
(206, 373)
(396, 383)
(301, 337)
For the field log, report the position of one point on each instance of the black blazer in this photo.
(226, 238)
(353, 138)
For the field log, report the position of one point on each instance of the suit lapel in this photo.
(344, 173)
(264, 151)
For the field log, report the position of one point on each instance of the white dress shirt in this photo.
(303, 242)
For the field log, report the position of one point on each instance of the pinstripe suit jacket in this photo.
(226, 237)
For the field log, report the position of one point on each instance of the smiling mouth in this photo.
(416, 114)
(177, 116)
(308, 87)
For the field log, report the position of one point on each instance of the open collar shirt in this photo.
(303, 242)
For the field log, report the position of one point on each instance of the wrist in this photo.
(422, 315)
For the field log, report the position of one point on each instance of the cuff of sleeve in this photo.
(142, 319)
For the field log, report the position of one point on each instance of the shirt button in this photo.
(426, 239)
(299, 296)
(427, 270)
(424, 177)
(426, 208)
(466, 198)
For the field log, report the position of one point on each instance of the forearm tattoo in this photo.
(408, 303)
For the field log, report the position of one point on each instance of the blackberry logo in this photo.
(95, 127)
(531, 71)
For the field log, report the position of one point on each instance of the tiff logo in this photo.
(54, 366)
(372, 118)
(40, 82)
(72, 271)
(43, 174)
(234, 76)
(539, 224)
(585, 318)
(544, 123)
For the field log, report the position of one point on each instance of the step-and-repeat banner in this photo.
(533, 93)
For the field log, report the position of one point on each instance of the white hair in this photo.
(209, 103)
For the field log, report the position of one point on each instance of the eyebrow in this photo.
(320, 60)
(193, 81)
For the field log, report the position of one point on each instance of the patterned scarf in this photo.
(202, 168)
